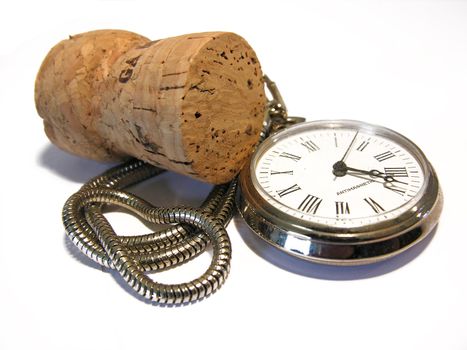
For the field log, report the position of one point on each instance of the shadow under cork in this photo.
(69, 166)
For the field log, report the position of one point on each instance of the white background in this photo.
(401, 64)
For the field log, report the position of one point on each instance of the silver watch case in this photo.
(333, 245)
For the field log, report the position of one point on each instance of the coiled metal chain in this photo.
(133, 256)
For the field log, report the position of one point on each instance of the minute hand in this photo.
(346, 154)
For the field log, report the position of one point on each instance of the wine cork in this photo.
(193, 104)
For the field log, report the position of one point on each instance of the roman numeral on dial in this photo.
(310, 145)
(393, 187)
(288, 190)
(290, 156)
(342, 208)
(374, 205)
(310, 204)
(396, 172)
(384, 156)
(363, 145)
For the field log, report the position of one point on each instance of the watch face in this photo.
(339, 173)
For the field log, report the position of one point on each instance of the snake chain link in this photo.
(134, 256)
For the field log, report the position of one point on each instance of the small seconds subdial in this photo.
(339, 175)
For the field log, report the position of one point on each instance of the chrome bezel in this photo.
(337, 245)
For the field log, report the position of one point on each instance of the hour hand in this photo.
(340, 169)
(376, 174)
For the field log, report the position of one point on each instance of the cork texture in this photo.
(193, 104)
(66, 86)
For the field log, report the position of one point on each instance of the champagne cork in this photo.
(193, 104)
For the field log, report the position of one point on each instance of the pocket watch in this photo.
(338, 192)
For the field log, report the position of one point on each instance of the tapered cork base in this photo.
(193, 104)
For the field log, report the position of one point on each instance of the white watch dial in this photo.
(339, 175)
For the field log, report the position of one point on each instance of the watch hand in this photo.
(346, 154)
(341, 169)
(376, 173)
(363, 177)
(386, 184)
